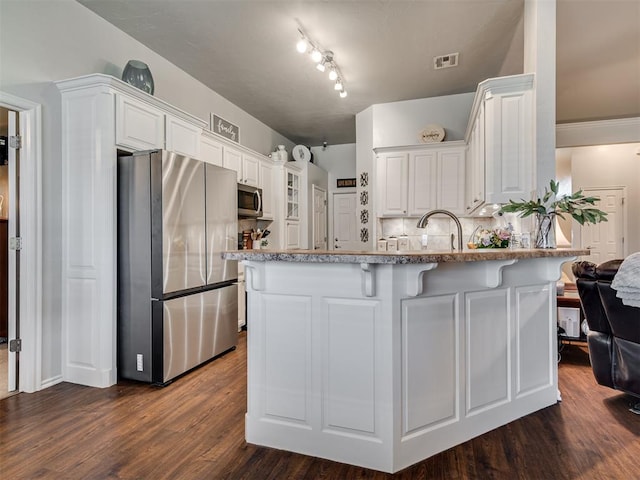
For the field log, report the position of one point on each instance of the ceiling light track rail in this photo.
(323, 59)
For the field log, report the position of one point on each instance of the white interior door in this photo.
(319, 218)
(344, 222)
(14, 252)
(605, 239)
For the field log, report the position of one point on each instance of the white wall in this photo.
(315, 176)
(364, 165)
(607, 166)
(399, 123)
(338, 160)
(44, 41)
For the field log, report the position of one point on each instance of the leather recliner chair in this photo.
(614, 328)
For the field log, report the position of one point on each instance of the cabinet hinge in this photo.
(15, 141)
(15, 345)
(15, 243)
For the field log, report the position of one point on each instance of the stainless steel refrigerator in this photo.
(177, 298)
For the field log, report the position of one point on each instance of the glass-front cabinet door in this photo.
(293, 195)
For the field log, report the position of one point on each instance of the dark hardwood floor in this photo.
(194, 429)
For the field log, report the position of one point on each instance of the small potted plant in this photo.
(491, 238)
(580, 207)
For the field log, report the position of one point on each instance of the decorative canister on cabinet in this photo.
(137, 73)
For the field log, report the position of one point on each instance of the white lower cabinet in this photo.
(292, 234)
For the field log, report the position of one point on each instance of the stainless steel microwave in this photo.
(249, 201)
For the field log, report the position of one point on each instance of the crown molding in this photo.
(602, 132)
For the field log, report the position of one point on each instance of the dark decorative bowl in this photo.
(137, 73)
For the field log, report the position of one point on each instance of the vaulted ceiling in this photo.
(245, 51)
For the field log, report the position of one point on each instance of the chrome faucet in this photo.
(424, 220)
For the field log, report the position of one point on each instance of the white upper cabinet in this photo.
(450, 180)
(412, 182)
(210, 150)
(266, 184)
(232, 159)
(250, 170)
(182, 137)
(508, 146)
(139, 126)
(392, 184)
(423, 168)
(475, 164)
(247, 166)
(500, 142)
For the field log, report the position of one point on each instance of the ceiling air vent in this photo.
(445, 61)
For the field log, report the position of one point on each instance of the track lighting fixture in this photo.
(323, 60)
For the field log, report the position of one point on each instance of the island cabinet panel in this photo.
(487, 349)
(535, 339)
(430, 356)
(350, 371)
(383, 360)
(287, 357)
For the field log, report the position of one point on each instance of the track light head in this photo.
(316, 56)
(302, 45)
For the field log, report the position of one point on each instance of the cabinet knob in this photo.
(336, 246)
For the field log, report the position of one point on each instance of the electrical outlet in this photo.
(423, 239)
(139, 364)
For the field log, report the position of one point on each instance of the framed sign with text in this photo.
(346, 182)
(226, 129)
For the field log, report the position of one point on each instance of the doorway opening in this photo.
(606, 240)
(344, 225)
(22, 209)
(9, 256)
(319, 215)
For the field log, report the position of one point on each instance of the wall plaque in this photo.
(346, 182)
(224, 128)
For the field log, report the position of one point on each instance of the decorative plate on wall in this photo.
(431, 134)
(301, 153)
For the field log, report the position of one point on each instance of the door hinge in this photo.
(15, 243)
(15, 141)
(15, 345)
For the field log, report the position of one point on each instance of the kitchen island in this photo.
(384, 359)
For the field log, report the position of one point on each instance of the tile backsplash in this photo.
(438, 230)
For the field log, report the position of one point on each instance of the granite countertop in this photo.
(422, 256)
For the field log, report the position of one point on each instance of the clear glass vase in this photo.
(545, 230)
(137, 73)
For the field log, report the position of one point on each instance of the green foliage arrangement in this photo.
(581, 208)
